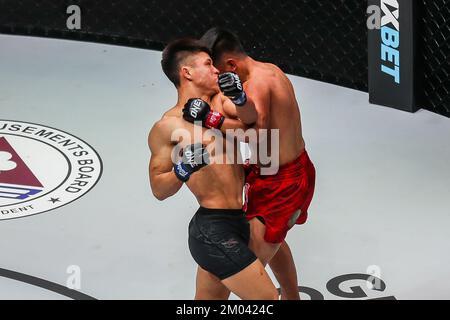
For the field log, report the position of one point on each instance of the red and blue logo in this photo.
(17, 181)
(42, 169)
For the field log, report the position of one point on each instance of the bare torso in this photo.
(284, 111)
(220, 184)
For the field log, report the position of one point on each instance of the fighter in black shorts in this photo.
(218, 232)
(218, 241)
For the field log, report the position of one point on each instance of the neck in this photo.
(186, 92)
(245, 67)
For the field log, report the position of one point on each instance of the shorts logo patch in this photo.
(229, 244)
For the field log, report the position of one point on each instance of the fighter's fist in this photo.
(199, 110)
(195, 156)
(231, 86)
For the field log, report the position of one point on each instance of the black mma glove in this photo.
(231, 86)
(199, 110)
(195, 156)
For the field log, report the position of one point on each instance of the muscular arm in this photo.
(246, 113)
(258, 112)
(232, 121)
(259, 92)
(163, 180)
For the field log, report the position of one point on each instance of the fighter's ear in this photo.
(231, 64)
(186, 72)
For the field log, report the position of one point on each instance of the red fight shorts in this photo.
(282, 200)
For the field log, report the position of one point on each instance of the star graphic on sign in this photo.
(54, 200)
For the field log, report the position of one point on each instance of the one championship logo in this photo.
(238, 81)
(42, 169)
(190, 158)
(197, 103)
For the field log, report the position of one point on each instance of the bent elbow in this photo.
(159, 196)
(156, 191)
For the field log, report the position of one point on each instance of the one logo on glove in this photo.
(238, 81)
(196, 106)
(230, 80)
(231, 86)
(190, 157)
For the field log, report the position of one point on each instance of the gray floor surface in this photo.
(382, 201)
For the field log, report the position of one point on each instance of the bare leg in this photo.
(283, 267)
(252, 283)
(209, 287)
(262, 249)
(278, 256)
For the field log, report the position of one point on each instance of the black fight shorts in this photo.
(218, 241)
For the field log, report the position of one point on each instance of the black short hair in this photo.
(174, 54)
(221, 41)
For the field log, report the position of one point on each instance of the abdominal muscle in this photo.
(218, 186)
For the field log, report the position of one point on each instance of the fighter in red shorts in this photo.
(275, 203)
(280, 201)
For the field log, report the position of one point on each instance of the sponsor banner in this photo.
(391, 53)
